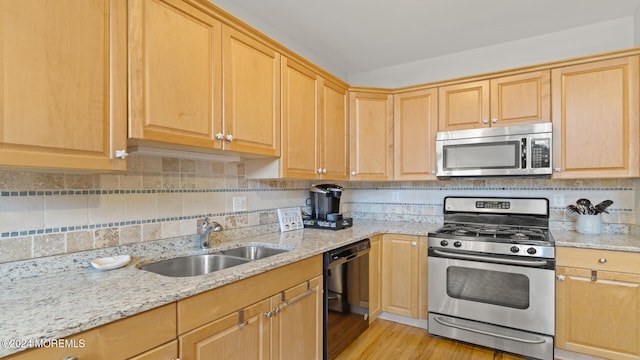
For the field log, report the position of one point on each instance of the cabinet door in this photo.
(301, 139)
(521, 99)
(375, 280)
(464, 106)
(598, 313)
(164, 352)
(370, 135)
(297, 324)
(175, 84)
(400, 275)
(251, 86)
(63, 102)
(334, 131)
(239, 335)
(595, 119)
(415, 122)
(423, 276)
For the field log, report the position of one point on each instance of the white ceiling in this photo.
(361, 35)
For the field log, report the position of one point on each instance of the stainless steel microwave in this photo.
(522, 150)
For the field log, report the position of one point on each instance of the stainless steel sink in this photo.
(203, 264)
(252, 252)
(193, 265)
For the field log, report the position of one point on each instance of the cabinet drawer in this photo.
(203, 308)
(167, 351)
(593, 259)
(117, 340)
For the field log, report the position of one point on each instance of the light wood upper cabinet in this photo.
(595, 119)
(415, 122)
(370, 135)
(251, 85)
(63, 102)
(314, 125)
(175, 73)
(598, 303)
(509, 100)
(335, 131)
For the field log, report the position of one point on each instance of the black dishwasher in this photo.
(346, 296)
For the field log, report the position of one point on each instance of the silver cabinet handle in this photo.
(324, 171)
(485, 122)
(219, 136)
(353, 173)
(71, 358)
(229, 138)
(560, 277)
(319, 171)
(268, 315)
(602, 260)
(121, 154)
(298, 298)
(414, 243)
(276, 310)
(494, 121)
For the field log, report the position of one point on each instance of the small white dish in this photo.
(111, 262)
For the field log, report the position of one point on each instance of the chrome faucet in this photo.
(204, 228)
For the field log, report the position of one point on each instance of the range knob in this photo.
(531, 251)
(444, 243)
(514, 249)
(457, 244)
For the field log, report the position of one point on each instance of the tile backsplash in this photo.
(49, 213)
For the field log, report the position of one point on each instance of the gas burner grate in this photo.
(494, 231)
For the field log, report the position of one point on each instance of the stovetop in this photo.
(503, 226)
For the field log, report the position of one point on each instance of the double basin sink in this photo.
(203, 264)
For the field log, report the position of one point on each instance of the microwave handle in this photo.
(523, 153)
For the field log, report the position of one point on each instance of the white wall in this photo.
(587, 40)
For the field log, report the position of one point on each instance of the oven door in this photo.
(508, 292)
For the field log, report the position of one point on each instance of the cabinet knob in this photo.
(229, 138)
(319, 171)
(485, 122)
(277, 310)
(433, 172)
(556, 169)
(414, 243)
(494, 121)
(268, 315)
(353, 173)
(324, 171)
(121, 154)
(560, 277)
(602, 260)
(219, 136)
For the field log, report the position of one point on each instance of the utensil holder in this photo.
(589, 224)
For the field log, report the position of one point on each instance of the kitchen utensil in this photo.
(572, 209)
(589, 208)
(602, 206)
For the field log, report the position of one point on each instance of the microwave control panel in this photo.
(540, 153)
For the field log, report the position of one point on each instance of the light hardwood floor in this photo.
(389, 340)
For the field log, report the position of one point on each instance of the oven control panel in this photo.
(490, 247)
(493, 205)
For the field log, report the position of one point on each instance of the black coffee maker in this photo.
(325, 208)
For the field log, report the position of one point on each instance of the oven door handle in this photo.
(533, 340)
(537, 263)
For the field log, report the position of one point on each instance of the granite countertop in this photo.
(52, 298)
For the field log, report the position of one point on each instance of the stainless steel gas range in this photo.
(491, 275)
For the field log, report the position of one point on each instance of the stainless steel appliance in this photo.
(346, 296)
(491, 275)
(325, 208)
(523, 150)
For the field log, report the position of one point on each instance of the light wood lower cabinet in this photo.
(598, 302)
(121, 339)
(404, 277)
(167, 351)
(375, 281)
(277, 315)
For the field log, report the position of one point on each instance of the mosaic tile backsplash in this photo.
(50, 213)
